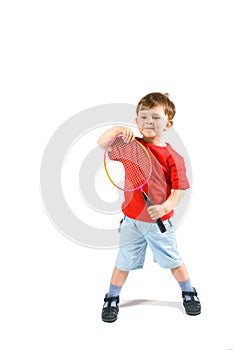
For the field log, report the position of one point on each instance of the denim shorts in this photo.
(135, 235)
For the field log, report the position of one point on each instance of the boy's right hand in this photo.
(127, 134)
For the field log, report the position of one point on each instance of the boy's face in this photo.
(152, 122)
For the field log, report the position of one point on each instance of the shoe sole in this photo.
(109, 321)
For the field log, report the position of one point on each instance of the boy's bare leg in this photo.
(180, 273)
(119, 277)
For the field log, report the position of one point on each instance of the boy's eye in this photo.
(154, 117)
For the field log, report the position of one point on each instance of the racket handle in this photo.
(147, 199)
(159, 222)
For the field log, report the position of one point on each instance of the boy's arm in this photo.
(157, 211)
(127, 135)
(173, 200)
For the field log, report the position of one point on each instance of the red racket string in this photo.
(135, 159)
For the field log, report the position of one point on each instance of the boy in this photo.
(155, 112)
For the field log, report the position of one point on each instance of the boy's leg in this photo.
(190, 299)
(119, 277)
(110, 308)
(180, 273)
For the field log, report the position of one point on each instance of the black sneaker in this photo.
(192, 306)
(109, 312)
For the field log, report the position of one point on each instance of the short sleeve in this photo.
(179, 178)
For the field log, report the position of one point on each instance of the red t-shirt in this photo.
(168, 172)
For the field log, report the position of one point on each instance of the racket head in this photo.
(136, 165)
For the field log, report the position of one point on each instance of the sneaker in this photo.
(110, 308)
(192, 305)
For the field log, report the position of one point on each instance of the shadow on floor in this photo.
(130, 303)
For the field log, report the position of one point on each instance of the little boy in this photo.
(155, 112)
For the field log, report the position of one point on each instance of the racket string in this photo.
(136, 162)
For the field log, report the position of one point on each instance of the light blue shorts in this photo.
(136, 235)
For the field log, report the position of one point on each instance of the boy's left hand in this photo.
(156, 211)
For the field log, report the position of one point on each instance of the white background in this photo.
(59, 58)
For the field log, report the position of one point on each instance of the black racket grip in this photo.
(159, 222)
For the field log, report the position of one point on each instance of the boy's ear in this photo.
(169, 124)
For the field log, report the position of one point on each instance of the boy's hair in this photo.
(158, 99)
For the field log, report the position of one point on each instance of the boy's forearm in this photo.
(127, 135)
(108, 135)
(173, 200)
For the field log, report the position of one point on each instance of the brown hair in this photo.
(158, 99)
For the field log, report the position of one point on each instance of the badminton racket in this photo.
(135, 170)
